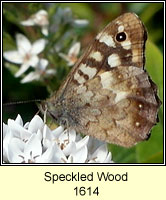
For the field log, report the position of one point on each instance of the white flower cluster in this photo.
(27, 53)
(34, 142)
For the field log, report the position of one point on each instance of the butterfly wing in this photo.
(119, 106)
(107, 94)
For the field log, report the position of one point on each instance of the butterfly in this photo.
(108, 94)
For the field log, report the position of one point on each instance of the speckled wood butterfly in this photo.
(108, 94)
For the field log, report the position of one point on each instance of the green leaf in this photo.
(83, 10)
(151, 150)
(123, 155)
(154, 65)
(8, 42)
(150, 11)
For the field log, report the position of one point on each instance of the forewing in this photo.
(120, 43)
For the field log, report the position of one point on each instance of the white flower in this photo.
(23, 143)
(41, 19)
(71, 57)
(101, 155)
(40, 70)
(34, 142)
(72, 148)
(80, 22)
(26, 55)
(68, 144)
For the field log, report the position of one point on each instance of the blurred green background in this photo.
(98, 14)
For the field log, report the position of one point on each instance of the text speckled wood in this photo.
(108, 94)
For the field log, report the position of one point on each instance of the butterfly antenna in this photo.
(21, 102)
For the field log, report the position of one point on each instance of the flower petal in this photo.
(100, 154)
(50, 72)
(36, 124)
(15, 151)
(23, 68)
(108, 158)
(71, 147)
(41, 18)
(47, 156)
(39, 134)
(44, 30)
(28, 22)
(75, 49)
(64, 56)
(59, 156)
(13, 56)
(33, 61)
(42, 65)
(79, 156)
(33, 147)
(23, 44)
(80, 22)
(26, 125)
(30, 77)
(67, 135)
(18, 131)
(48, 137)
(5, 130)
(58, 131)
(93, 144)
(82, 142)
(38, 46)
(47, 133)
(42, 12)
(6, 140)
(18, 120)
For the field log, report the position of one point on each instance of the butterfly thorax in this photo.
(64, 111)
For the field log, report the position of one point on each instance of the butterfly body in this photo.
(108, 94)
